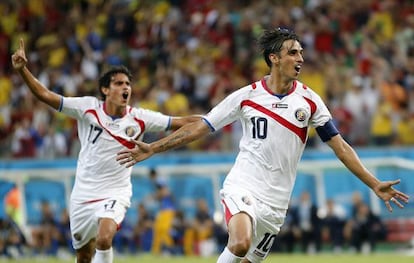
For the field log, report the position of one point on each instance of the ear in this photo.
(105, 90)
(274, 58)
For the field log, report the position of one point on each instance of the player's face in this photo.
(291, 59)
(119, 92)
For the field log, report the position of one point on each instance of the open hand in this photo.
(140, 152)
(19, 59)
(385, 191)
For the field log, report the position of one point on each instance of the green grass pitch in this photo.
(279, 258)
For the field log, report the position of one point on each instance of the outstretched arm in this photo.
(350, 159)
(19, 62)
(186, 134)
(178, 122)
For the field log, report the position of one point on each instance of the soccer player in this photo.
(102, 189)
(275, 113)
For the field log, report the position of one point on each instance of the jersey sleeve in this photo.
(227, 111)
(154, 121)
(321, 115)
(76, 106)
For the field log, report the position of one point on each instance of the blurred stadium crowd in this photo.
(187, 55)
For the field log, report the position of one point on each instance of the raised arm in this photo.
(19, 62)
(184, 135)
(350, 159)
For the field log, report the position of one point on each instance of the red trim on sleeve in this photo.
(312, 105)
(141, 124)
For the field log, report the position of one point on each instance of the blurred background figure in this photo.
(289, 234)
(364, 230)
(45, 235)
(143, 229)
(203, 225)
(333, 218)
(164, 219)
(309, 224)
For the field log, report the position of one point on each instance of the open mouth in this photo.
(125, 95)
(297, 68)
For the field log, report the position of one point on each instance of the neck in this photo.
(278, 86)
(113, 110)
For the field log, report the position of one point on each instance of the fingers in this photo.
(126, 159)
(121, 157)
(401, 196)
(396, 202)
(141, 145)
(395, 182)
(21, 44)
(19, 59)
(388, 205)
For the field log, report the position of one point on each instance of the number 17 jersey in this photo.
(98, 174)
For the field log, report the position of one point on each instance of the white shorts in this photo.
(267, 221)
(84, 218)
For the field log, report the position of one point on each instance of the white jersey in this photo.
(98, 174)
(275, 131)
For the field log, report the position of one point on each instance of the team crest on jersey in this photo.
(300, 115)
(131, 131)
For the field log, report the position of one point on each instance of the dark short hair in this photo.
(105, 79)
(271, 41)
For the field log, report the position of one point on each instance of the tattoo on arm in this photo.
(178, 139)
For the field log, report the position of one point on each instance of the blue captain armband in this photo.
(327, 131)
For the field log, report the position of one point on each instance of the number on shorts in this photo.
(110, 204)
(96, 132)
(266, 242)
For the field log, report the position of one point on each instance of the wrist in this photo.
(21, 69)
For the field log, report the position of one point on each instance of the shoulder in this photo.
(81, 103)
(84, 99)
(306, 91)
(249, 89)
(138, 111)
(302, 88)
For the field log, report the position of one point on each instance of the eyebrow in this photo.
(120, 81)
(295, 49)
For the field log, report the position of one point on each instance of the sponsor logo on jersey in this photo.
(131, 131)
(300, 115)
(246, 200)
(279, 105)
(112, 125)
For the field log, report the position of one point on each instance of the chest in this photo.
(291, 110)
(127, 127)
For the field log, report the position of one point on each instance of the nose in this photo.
(300, 58)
